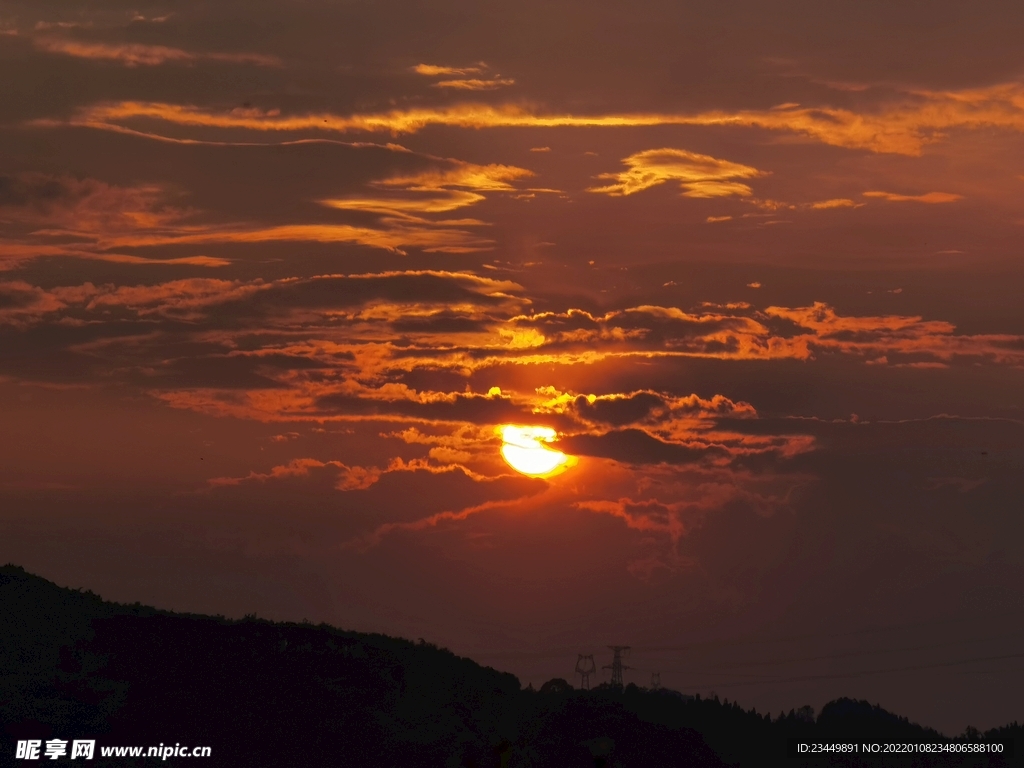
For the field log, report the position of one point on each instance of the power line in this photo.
(790, 660)
(810, 635)
(862, 673)
(853, 654)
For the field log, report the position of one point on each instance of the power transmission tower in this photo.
(585, 666)
(617, 666)
(655, 680)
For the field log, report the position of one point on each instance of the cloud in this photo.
(88, 218)
(642, 407)
(929, 197)
(350, 478)
(961, 484)
(82, 218)
(436, 190)
(387, 296)
(44, 25)
(432, 70)
(366, 502)
(137, 54)
(698, 175)
(648, 427)
(475, 84)
(637, 447)
(929, 341)
(483, 83)
(395, 236)
(664, 503)
(839, 202)
(88, 203)
(903, 126)
(394, 346)
(744, 333)
(139, 18)
(672, 502)
(649, 516)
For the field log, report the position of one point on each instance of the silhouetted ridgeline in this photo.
(266, 694)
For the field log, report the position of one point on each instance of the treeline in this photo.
(259, 693)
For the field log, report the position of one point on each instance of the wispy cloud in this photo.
(437, 190)
(905, 126)
(698, 175)
(928, 197)
(839, 202)
(475, 83)
(91, 219)
(138, 54)
(459, 81)
(433, 70)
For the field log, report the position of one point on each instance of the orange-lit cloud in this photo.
(331, 296)
(436, 190)
(458, 80)
(675, 427)
(698, 175)
(63, 216)
(475, 83)
(904, 126)
(840, 202)
(350, 347)
(87, 205)
(79, 218)
(748, 334)
(350, 478)
(639, 407)
(137, 54)
(395, 237)
(432, 70)
(928, 197)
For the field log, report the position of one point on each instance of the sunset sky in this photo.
(274, 275)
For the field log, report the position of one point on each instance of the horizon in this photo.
(602, 671)
(530, 330)
(805, 713)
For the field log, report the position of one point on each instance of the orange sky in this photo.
(271, 276)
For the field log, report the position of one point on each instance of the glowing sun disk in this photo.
(522, 448)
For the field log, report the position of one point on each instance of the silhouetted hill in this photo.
(260, 693)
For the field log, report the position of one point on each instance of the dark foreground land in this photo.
(73, 666)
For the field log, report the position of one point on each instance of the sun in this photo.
(522, 448)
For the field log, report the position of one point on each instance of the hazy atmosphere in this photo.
(275, 278)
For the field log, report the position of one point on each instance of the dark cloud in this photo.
(444, 407)
(653, 407)
(634, 446)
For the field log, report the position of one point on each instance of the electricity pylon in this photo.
(655, 680)
(585, 666)
(617, 666)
